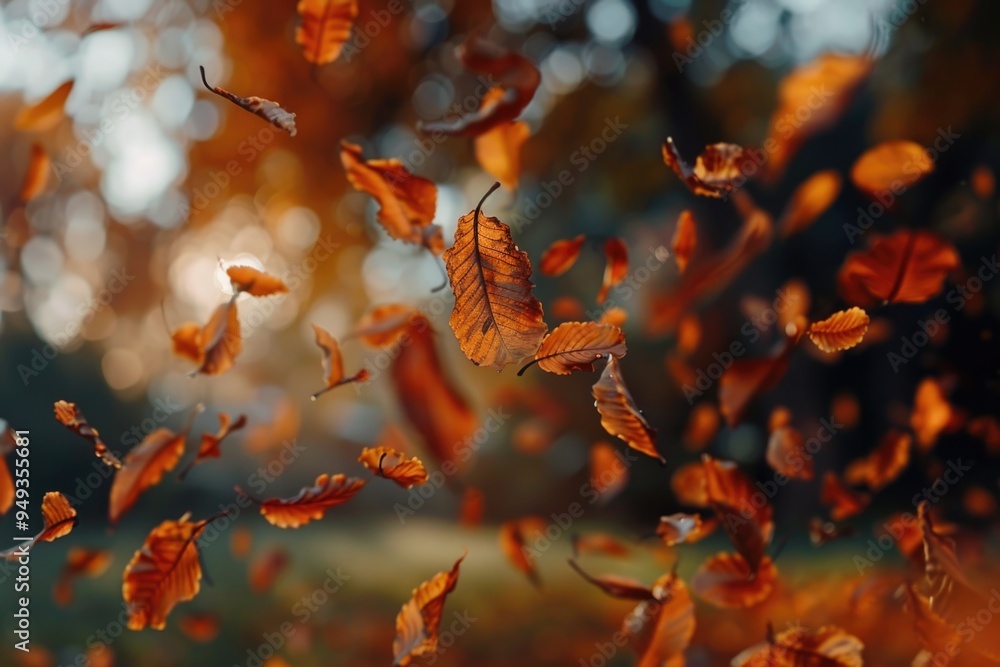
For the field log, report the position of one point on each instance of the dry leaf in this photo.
(844, 502)
(682, 528)
(59, 519)
(598, 543)
(209, 447)
(717, 171)
(498, 150)
(394, 465)
(841, 331)
(266, 109)
(514, 536)
(575, 346)
(809, 201)
(615, 586)
(311, 502)
(80, 562)
(748, 378)
(660, 630)
(725, 580)
(620, 416)
(201, 628)
(70, 416)
(144, 466)
(266, 567)
(616, 269)
(786, 453)
(47, 113)
(734, 498)
(36, 177)
(608, 473)
(827, 647)
(326, 25)
(333, 364)
(889, 458)
(254, 282)
(684, 240)
(932, 413)
(560, 257)
(418, 621)
(890, 168)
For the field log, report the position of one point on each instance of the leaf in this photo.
(809, 201)
(254, 282)
(787, 455)
(717, 171)
(702, 426)
(616, 268)
(473, 507)
(418, 621)
(45, 114)
(164, 573)
(79, 562)
(201, 628)
(560, 257)
(498, 150)
(326, 25)
(821, 532)
(144, 466)
(311, 502)
(748, 378)
(932, 413)
(841, 331)
(215, 346)
(518, 78)
(684, 240)
(333, 364)
(496, 318)
(608, 473)
(620, 416)
(615, 586)
(265, 569)
(406, 202)
(884, 464)
(575, 346)
(734, 498)
(909, 266)
(58, 518)
(661, 629)
(891, 167)
(70, 416)
(514, 537)
(266, 109)
(240, 542)
(844, 502)
(209, 447)
(727, 581)
(682, 528)
(598, 543)
(392, 464)
(690, 485)
(828, 646)
(36, 176)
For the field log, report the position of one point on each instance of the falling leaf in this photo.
(516, 76)
(326, 25)
(684, 240)
(266, 567)
(689, 484)
(311, 503)
(70, 416)
(80, 562)
(45, 114)
(615, 586)
(498, 150)
(682, 528)
(608, 472)
(254, 282)
(385, 325)
(616, 268)
(59, 519)
(787, 455)
(406, 202)
(473, 507)
(661, 629)
(164, 573)
(828, 646)
(560, 257)
(36, 176)
(726, 580)
(575, 346)
(240, 542)
(809, 201)
(620, 416)
(614, 316)
(333, 364)
(210, 442)
(748, 378)
(908, 266)
(884, 464)
(932, 413)
(215, 346)
(702, 425)
(598, 543)
(717, 171)
(844, 502)
(201, 628)
(514, 536)
(734, 498)
(394, 465)
(418, 621)
(890, 168)
(841, 331)
(496, 318)
(266, 109)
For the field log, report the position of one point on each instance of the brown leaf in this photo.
(406, 202)
(266, 109)
(79, 562)
(384, 326)
(682, 528)
(841, 331)
(616, 268)
(215, 346)
(608, 473)
(514, 536)
(394, 465)
(266, 567)
(725, 580)
(165, 572)
(46, 114)
(689, 484)
(827, 647)
(844, 501)
(661, 629)
(786, 453)
(200, 627)
(932, 413)
(684, 240)
(498, 150)
(909, 266)
(70, 416)
(748, 378)
(560, 257)
(620, 416)
(254, 282)
(717, 171)
(733, 497)
(890, 167)
(809, 201)
(326, 25)
(598, 543)
(883, 464)
(418, 621)
(333, 364)
(36, 176)
(473, 507)
(144, 466)
(575, 346)
(240, 542)
(517, 77)
(209, 447)
(615, 586)
(496, 318)
(311, 502)
(59, 519)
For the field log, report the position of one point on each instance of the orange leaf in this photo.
(682, 528)
(809, 201)
(841, 331)
(514, 536)
(312, 502)
(615, 586)
(844, 502)
(266, 567)
(560, 257)
(517, 77)
(144, 466)
(165, 572)
(70, 416)
(37, 174)
(240, 542)
(748, 378)
(598, 543)
(394, 465)
(473, 507)
(418, 621)
(932, 413)
(661, 629)
(733, 497)
(786, 453)
(79, 562)
(333, 364)
(496, 318)
(684, 240)
(690, 485)
(266, 109)
(59, 519)
(575, 346)
(702, 425)
(884, 463)
(890, 167)
(384, 325)
(908, 266)
(209, 448)
(498, 150)
(717, 171)
(46, 114)
(616, 269)
(620, 416)
(186, 342)
(200, 627)
(827, 647)
(255, 283)
(725, 580)
(326, 25)
(215, 347)
(608, 473)
(406, 202)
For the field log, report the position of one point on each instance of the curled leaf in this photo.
(59, 519)
(209, 447)
(620, 416)
(311, 502)
(786, 453)
(682, 528)
(418, 621)
(616, 268)
(70, 416)
(333, 363)
(883, 464)
(809, 201)
(498, 150)
(266, 109)
(828, 646)
(391, 464)
(717, 171)
(575, 346)
(726, 580)
(47, 113)
(615, 586)
(514, 536)
(841, 331)
(844, 501)
(254, 282)
(560, 257)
